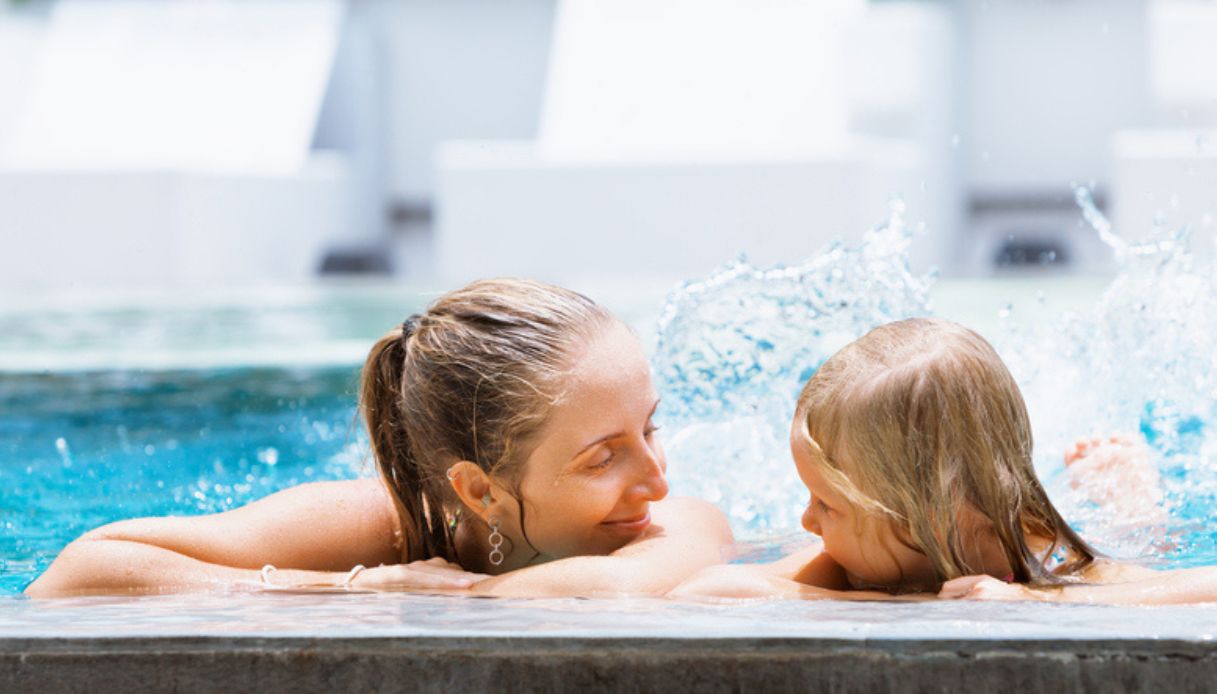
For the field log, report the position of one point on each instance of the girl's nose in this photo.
(810, 524)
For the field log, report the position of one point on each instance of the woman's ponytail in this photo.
(383, 399)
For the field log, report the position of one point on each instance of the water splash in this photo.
(735, 348)
(1142, 359)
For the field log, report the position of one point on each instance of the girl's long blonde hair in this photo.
(921, 422)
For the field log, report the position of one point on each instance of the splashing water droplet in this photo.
(268, 456)
(65, 453)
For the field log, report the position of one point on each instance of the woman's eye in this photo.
(650, 430)
(603, 463)
(823, 506)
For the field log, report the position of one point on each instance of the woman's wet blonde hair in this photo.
(471, 378)
(920, 421)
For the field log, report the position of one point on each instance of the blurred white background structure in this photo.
(171, 143)
(665, 161)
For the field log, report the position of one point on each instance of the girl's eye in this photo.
(823, 506)
(650, 430)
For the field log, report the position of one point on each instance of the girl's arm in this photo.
(687, 535)
(1182, 586)
(314, 533)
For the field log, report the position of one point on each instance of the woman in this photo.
(511, 424)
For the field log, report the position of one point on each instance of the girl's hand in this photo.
(1118, 475)
(435, 574)
(987, 588)
(1115, 462)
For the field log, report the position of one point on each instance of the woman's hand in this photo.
(435, 574)
(987, 588)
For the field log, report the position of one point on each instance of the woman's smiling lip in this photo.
(631, 525)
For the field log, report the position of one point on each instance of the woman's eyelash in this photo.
(648, 431)
(602, 463)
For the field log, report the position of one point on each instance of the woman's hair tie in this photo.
(408, 326)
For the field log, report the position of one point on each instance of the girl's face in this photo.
(588, 486)
(864, 545)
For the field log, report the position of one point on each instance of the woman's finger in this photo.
(449, 570)
(416, 571)
(413, 578)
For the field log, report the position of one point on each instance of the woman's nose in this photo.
(654, 481)
(810, 524)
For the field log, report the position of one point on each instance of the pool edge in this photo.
(523, 663)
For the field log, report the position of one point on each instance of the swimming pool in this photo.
(81, 449)
(123, 406)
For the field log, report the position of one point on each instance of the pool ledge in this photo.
(518, 663)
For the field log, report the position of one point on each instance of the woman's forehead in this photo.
(608, 391)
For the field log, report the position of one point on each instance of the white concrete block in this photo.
(504, 209)
(225, 85)
(689, 80)
(1167, 177)
(151, 228)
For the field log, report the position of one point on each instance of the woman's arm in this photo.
(687, 535)
(804, 575)
(315, 533)
(751, 582)
(1182, 586)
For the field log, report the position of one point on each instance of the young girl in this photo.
(511, 427)
(915, 444)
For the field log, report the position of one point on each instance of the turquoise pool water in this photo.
(86, 449)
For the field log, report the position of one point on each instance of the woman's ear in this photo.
(472, 486)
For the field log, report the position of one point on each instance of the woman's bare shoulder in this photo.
(684, 506)
(687, 514)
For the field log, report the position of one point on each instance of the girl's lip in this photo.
(636, 524)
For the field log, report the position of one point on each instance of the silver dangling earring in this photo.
(496, 541)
